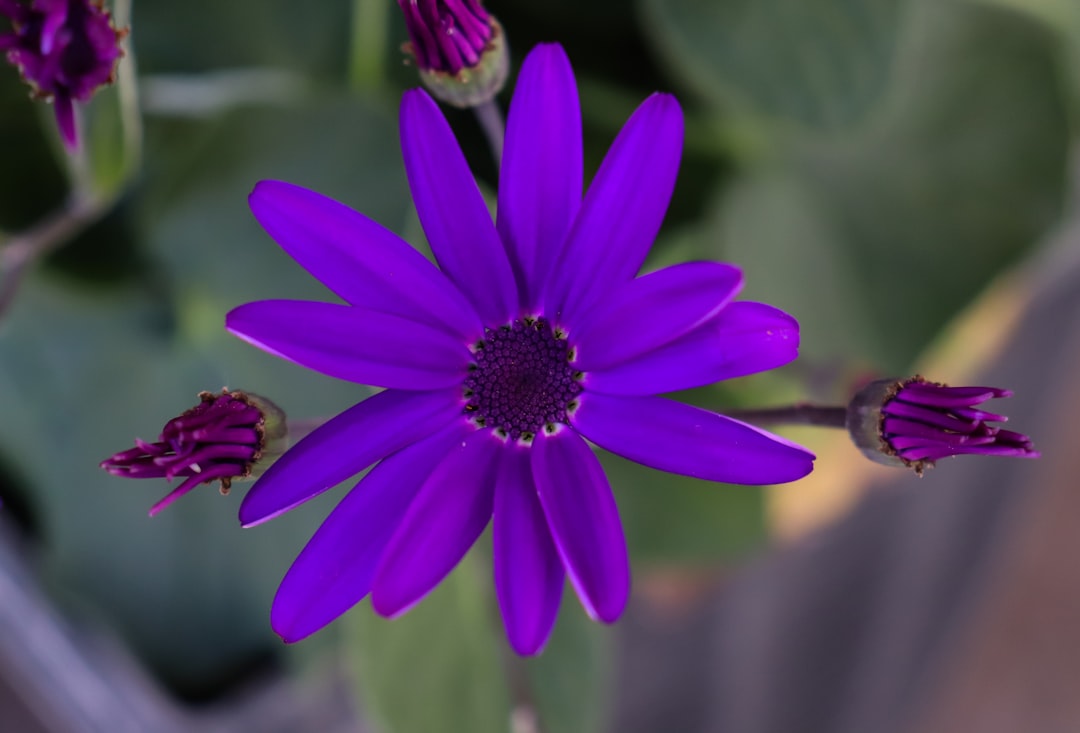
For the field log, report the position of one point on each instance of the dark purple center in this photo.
(522, 380)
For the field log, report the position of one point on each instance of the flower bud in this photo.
(913, 423)
(459, 49)
(65, 50)
(226, 437)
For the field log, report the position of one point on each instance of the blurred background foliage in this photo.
(871, 164)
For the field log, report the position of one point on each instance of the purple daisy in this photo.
(65, 49)
(533, 338)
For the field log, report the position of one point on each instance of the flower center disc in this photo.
(522, 380)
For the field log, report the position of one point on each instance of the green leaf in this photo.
(438, 667)
(669, 518)
(815, 64)
(875, 241)
(571, 679)
(80, 376)
(195, 215)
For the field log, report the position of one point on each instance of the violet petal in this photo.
(540, 182)
(346, 445)
(447, 516)
(334, 571)
(584, 522)
(359, 260)
(351, 343)
(651, 311)
(528, 572)
(743, 338)
(679, 438)
(453, 212)
(621, 213)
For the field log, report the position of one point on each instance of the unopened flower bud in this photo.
(459, 49)
(913, 422)
(65, 50)
(226, 437)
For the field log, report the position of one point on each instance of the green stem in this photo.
(490, 118)
(127, 89)
(367, 48)
(22, 249)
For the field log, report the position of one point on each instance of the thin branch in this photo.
(56, 229)
(490, 118)
(524, 715)
(800, 413)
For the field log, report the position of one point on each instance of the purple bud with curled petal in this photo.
(459, 49)
(226, 437)
(64, 49)
(913, 422)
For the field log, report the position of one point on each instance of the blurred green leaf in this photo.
(873, 242)
(203, 34)
(1063, 16)
(571, 679)
(108, 156)
(669, 518)
(82, 374)
(818, 64)
(438, 667)
(195, 212)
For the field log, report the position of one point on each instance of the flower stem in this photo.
(80, 210)
(800, 413)
(367, 43)
(490, 118)
(524, 717)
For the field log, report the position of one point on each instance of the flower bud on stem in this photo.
(910, 422)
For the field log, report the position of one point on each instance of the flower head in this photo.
(65, 50)
(227, 436)
(459, 48)
(913, 422)
(533, 338)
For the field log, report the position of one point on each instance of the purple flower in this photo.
(220, 439)
(65, 50)
(459, 48)
(915, 423)
(533, 338)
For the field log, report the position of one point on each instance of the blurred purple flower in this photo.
(534, 337)
(916, 422)
(65, 49)
(220, 439)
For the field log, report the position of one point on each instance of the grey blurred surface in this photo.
(946, 604)
(57, 677)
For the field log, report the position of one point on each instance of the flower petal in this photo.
(678, 438)
(359, 260)
(334, 571)
(528, 572)
(453, 212)
(540, 181)
(622, 211)
(584, 522)
(653, 310)
(355, 344)
(451, 510)
(347, 444)
(743, 338)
